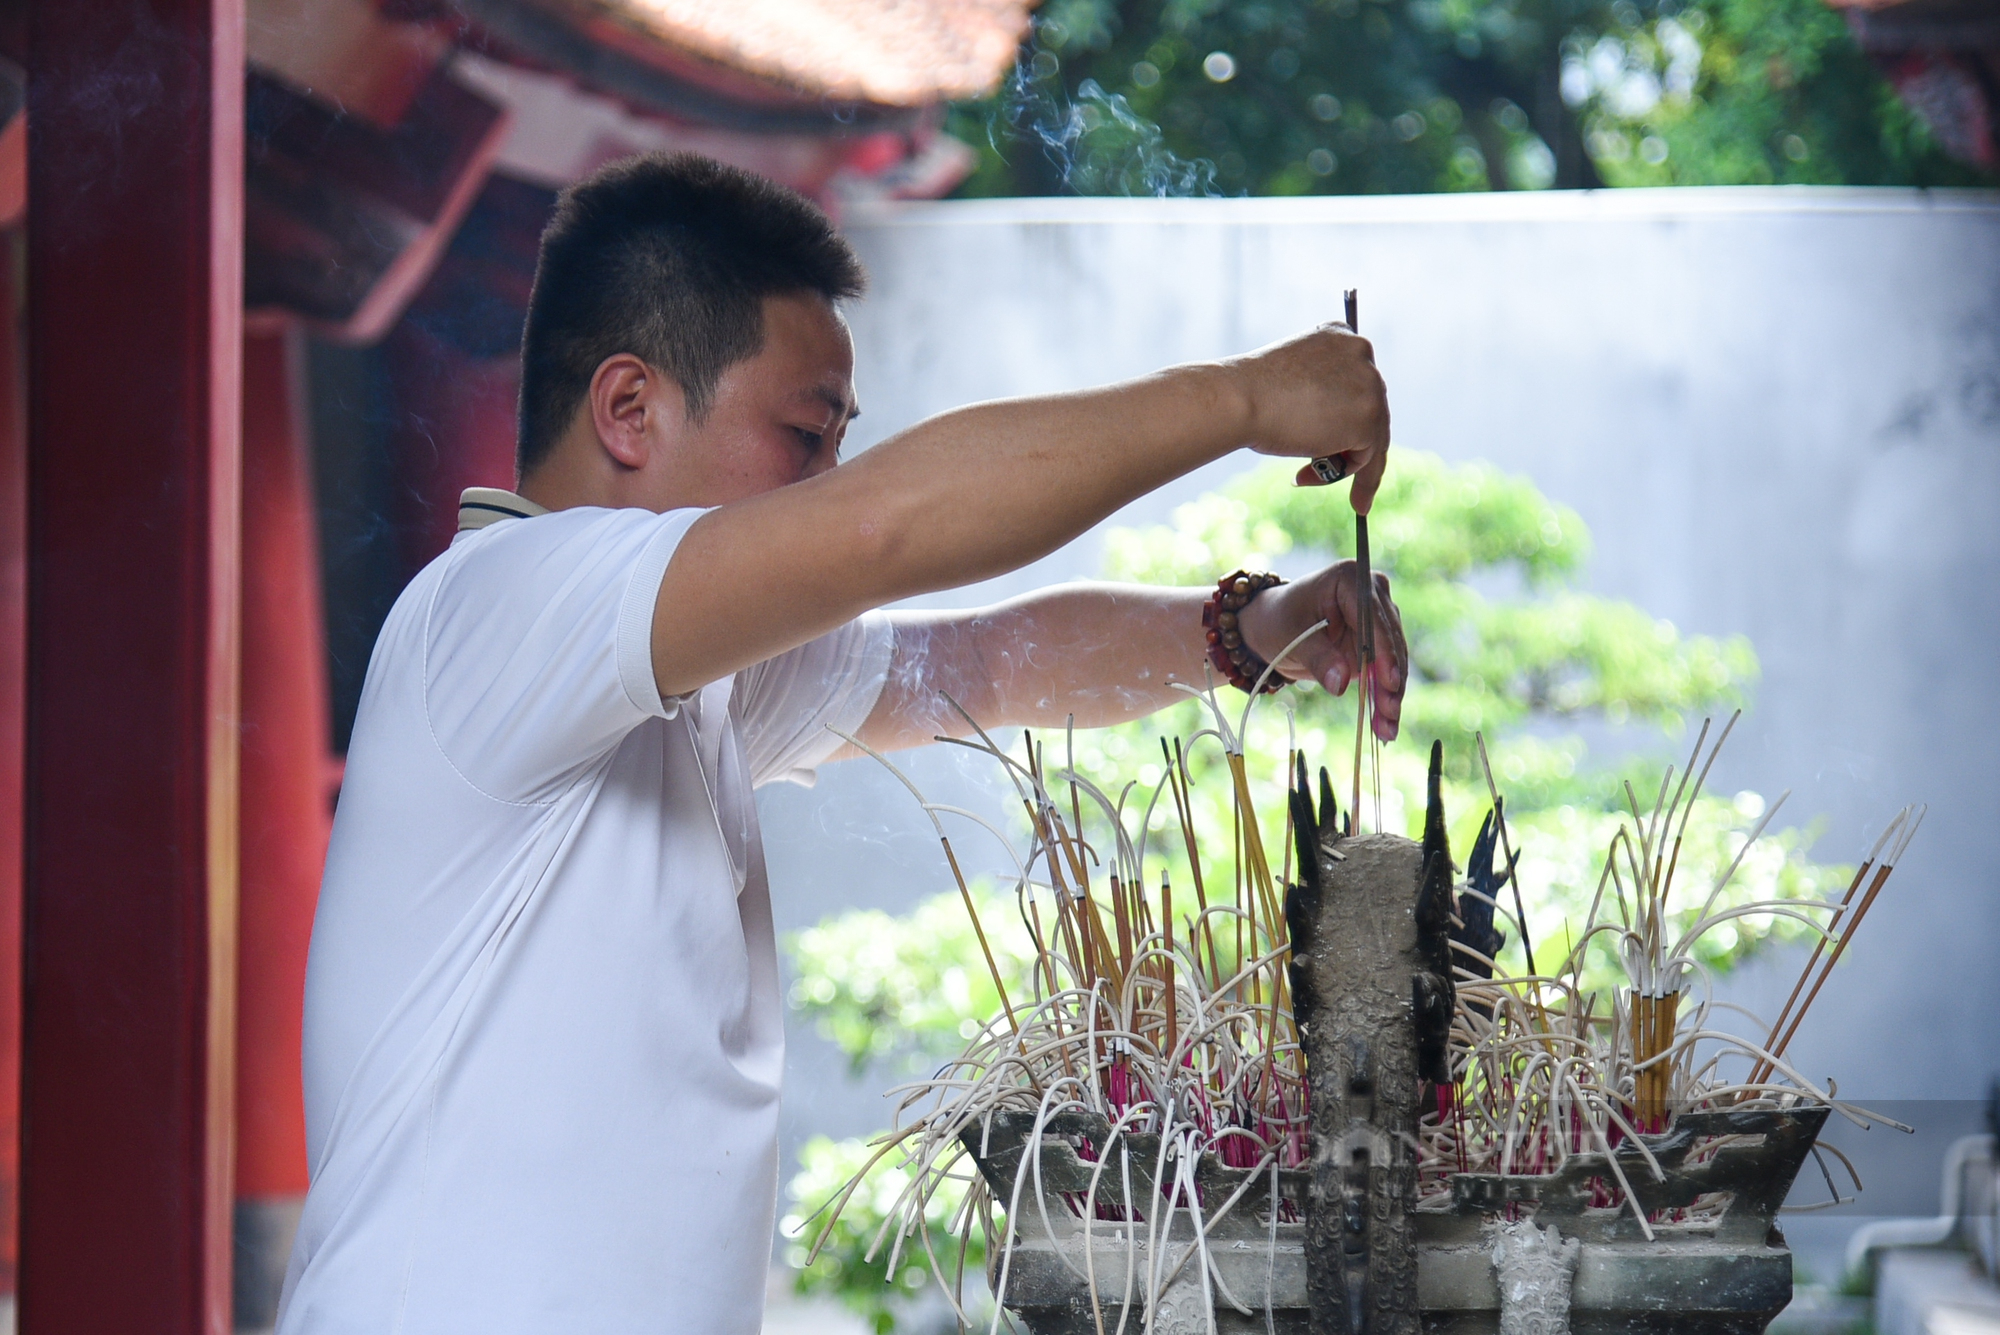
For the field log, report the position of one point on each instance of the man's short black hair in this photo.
(669, 257)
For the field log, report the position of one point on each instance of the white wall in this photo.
(1777, 409)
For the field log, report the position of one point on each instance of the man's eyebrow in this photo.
(836, 402)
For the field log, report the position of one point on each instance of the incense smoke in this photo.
(1096, 142)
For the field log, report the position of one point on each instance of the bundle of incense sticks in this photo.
(1171, 1018)
(1547, 1068)
(1163, 1009)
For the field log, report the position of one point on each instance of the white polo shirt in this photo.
(543, 1038)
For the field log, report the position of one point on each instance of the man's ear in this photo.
(629, 404)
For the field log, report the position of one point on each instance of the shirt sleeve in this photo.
(538, 653)
(788, 705)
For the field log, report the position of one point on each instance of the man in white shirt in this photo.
(543, 1039)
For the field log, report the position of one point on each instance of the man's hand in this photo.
(1319, 395)
(1332, 656)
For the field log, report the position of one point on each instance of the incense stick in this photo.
(1819, 946)
(1364, 603)
(1506, 848)
(1847, 933)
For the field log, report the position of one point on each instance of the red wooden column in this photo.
(454, 429)
(13, 685)
(134, 345)
(286, 814)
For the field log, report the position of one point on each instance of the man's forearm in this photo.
(1107, 653)
(958, 498)
(1101, 653)
(986, 489)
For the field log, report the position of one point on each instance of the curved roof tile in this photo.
(902, 53)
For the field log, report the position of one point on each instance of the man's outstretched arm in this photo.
(986, 489)
(1106, 653)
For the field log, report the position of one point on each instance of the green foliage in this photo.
(881, 986)
(1288, 97)
(1748, 92)
(843, 1269)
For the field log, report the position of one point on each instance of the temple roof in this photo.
(898, 53)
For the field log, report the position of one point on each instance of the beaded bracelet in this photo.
(1227, 650)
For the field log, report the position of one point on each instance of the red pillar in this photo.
(286, 815)
(455, 429)
(134, 346)
(13, 685)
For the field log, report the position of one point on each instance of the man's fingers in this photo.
(1368, 480)
(1333, 657)
(1392, 663)
(1322, 660)
(1388, 713)
(1338, 669)
(1392, 651)
(1338, 665)
(1339, 607)
(1331, 468)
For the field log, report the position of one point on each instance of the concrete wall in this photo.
(1778, 410)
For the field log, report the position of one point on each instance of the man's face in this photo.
(776, 418)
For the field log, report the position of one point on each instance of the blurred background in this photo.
(1690, 307)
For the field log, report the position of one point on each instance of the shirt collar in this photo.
(480, 506)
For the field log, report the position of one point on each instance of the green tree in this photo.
(1286, 97)
(1747, 92)
(1520, 668)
